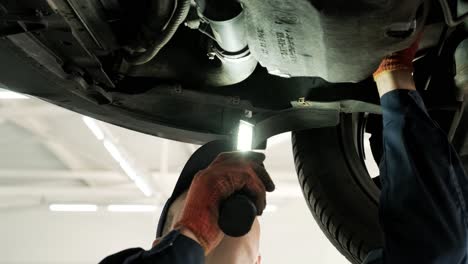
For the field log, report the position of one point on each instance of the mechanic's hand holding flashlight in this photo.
(229, 173)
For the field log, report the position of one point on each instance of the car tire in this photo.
(338, 189)
(341, 195)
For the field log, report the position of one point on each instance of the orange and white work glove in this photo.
(400, 60)
(228, 173)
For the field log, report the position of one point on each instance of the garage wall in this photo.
(38, 236)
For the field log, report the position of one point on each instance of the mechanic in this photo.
(423, 208)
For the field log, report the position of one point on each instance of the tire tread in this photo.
(336, 229)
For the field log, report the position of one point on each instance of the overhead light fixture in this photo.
(143, 186)
(127, 168)
(118, 155)
(113, 150)
(131, 173)
(131, 208)
(73, 207)
(5, 95)
(93, 126)
(245, 136)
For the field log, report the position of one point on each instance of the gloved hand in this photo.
(400, 60)
(228, 173)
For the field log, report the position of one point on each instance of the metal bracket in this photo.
(448, 15)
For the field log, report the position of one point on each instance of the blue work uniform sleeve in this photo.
(423, 209)
(174, 248)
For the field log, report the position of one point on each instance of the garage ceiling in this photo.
(49, 155)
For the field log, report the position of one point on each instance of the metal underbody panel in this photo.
(339, 41)
(67, 63)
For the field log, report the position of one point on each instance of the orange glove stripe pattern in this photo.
(401, 60)
(227, 174)
(392, 63)
(200, 216)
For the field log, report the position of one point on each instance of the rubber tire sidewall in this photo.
(338, 189)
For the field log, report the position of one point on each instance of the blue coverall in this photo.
(423, 209)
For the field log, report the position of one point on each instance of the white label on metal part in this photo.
(294, 38)
(279, 35)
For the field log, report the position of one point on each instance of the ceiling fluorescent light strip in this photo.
(127, 168)
(118, 156)
(73, 207)
(93, 126)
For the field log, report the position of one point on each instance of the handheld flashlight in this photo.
(237, 213)
(245, 136)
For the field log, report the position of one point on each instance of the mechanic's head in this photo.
(231, 250)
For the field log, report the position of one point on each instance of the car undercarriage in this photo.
(190, 70)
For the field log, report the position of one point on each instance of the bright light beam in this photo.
(245, 136)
